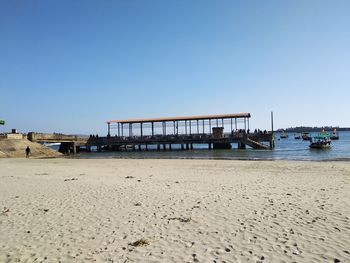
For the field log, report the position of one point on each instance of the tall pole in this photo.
(272, 122)
(109, 129)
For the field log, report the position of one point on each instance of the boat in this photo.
(335, 135)
(306, 136)
(49, 144)
(283, 135)
(321, 141)
(297, 136)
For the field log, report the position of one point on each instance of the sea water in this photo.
(286, 149)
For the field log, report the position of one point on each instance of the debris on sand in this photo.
(70, 179)
(129, 177)
(5, 211)
(181, 219)
(140, 243)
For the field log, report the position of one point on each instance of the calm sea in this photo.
(286, 149)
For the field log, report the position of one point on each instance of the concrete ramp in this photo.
(254, 144)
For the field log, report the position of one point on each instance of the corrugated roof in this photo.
(184, 118)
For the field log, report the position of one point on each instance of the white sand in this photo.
(187, 210)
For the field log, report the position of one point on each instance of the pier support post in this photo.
(158, 147)
(182, 146)
(191, 146)
(241, 145)
(170, 146)
(74, 148)
(139, 147)
(187, 146)
(209, 146)
(146, 147)
(164, 147)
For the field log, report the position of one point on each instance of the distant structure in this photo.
(68, 143)
(183, 131)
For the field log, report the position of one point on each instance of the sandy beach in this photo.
(127, 210)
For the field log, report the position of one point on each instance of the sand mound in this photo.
(16, 148)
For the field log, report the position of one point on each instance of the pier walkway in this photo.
(183, 131)
(68, 143)
(166, 133)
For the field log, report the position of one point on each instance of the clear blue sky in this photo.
(68, 66)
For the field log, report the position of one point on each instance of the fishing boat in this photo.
(335, 135)
(306, 136)
(297, 136)
(283, 135)
(320, 142)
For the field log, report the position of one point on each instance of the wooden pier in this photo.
(184, 132)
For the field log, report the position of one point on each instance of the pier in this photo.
(185, 132)
(68, 143)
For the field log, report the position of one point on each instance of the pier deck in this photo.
(185, 141)
(184, 131)
(167, 132)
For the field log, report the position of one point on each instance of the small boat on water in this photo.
(297, 136)
(306, 136)
(49, 144)
(335, 135)
(283, 135)
(321, 141)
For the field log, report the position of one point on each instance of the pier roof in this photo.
(184, 118)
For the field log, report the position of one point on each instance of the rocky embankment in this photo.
(16, 148)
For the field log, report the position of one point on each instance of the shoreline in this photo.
(104, 157)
